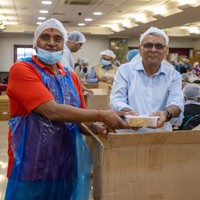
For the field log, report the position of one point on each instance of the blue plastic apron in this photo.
(51, 159)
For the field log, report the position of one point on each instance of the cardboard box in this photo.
(147, 166)
(4, 110)
(90, 85)
(98, 100)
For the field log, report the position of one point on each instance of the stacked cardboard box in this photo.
(100, 98)
(4, 110)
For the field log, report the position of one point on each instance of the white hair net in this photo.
(50, 23)
(76, 37)
(84, 60)
(108, 53)
(154, 30)
(185, 60)
(185, 77)
(191, 91)
(195, 64)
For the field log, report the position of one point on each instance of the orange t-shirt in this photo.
(26, 91)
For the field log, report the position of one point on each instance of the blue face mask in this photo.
(105, 62)
(47, 57)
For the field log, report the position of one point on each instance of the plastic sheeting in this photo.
(51, 159)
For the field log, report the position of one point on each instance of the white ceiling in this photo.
(181, 19)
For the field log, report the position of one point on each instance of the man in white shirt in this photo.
(150, 85)
(74, 42)
(72, 45)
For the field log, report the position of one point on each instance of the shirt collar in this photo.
(139, 67)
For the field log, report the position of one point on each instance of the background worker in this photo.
(105, 70)
(74, 42)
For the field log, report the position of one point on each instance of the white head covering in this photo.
(50, 23)
(76, 37)
(192, 91)
(157, 32)
(195, 64)
(84, 60)
(185, 77)
(185, 60)
(108, 53)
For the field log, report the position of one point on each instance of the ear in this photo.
(167, 49)
(140, 49)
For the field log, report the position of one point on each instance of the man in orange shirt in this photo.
(48, 159)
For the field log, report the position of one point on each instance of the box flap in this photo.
(116, 140)
(99, 91)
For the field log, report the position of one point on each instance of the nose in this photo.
(51, 41)
(154, 48)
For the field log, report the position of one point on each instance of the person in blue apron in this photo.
(48, 158)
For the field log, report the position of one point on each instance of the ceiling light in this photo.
(2, 27)
(38, 23)
(41, 18)
(46, 2)
(116, 28)
(81, 24)
(88, 19)
(160, 10)
(143, 18)
(97, 13)
(10, 23)
(127, 23)
(183, 2)
(140, 17)
(195, 30)
(43, 11)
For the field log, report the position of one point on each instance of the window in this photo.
(23, 51)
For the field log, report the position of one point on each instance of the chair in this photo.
(192, 123)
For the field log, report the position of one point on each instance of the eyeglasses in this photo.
(158, 46)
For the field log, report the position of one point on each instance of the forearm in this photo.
(174, 110)
(66, 113)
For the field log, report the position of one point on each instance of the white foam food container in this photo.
(141, 120)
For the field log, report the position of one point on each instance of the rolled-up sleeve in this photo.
(119, 92)
(176, 97)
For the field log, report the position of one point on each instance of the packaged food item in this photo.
(141, 120)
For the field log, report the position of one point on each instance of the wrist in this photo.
(168, 115)
(98, 116)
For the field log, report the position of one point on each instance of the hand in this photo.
(102, 130)
(161, 119)
(88, 91)
(112, 119)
